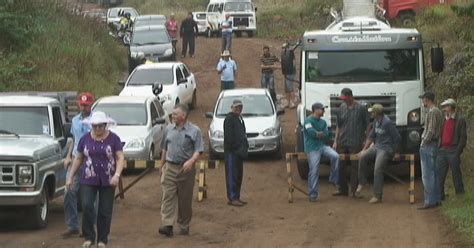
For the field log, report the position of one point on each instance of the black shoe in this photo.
(340, 193)
(70, 233)
(427, 206)
(235, 203)
(166, 230)
(184, 231)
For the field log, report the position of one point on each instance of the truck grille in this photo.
(240, 21)
(389, 104)
(7, 175)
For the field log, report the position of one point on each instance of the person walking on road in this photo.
(182, 146)
(453, 140)
(429, 150)
(172, 28)
(226, 30)
(188, 32)
(316, 134)
(385, 137)
(235, 151)
(352, 127)
(71, 197)
(227, 68)
(101, 160)
(289, 80)
(269, 63)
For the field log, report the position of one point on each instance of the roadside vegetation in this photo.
(45, 48)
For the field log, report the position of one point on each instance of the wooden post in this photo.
(201, 183)
(411, 190)
(290, 177)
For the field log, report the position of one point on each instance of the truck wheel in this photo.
(302, 165)
(407, 19)
(39, 213)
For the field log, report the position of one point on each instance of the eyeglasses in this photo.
(98, 125)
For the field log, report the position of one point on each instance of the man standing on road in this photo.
(269, 63)
(316, 134)
(352, 126)
(289, 80)
(182, 145)
(71, 197)
(453, 140)
(429, 150)
(386, 138)
(228, 69)
(172, 28)
(188, 32)
(226, 30)
(235, 151)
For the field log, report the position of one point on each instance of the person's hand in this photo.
(114, 180)
(319, 134)
(67, 162)
(223, 67)
(334, 145)
(68, 183)
(188, 165)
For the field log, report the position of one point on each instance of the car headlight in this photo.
(25, 174)
(168, 52)
(218, 134)
(414, 116)
(270, 132)
(135, 144)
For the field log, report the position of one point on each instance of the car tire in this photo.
(301, 164)
(209, 33)
(151, 153)
(212, 154)
(280, 152)
(39, 213)
(193, 103)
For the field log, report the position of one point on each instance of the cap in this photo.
(345, 93)
(225, 53)
(376, 109)
(85, 98)
(428, 95)
(236, 103)
(317, 105)
(448, 102)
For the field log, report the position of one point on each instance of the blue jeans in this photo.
(106, 195)
(225, 85)
(71, 198)
(226, 41)
(429, 173)
(381, 157)
(313, 161)
(268, 81)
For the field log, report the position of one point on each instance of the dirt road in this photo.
(268, 220)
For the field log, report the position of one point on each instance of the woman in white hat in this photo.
(100, 159)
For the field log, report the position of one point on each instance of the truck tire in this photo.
(39, 213)
(407, 18)
(302, 164)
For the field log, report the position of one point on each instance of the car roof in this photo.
(244, 91)
(150, 28)
(27, 100)
(125, 99)
(161, 65)
(150, 17)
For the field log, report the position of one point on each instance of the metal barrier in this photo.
(400, 158)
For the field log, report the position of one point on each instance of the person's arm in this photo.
(181, 29)
(336, 138)
(198, 149)
(75, 166)
(370, 139)
(119, 163)
(235, 69)
(462, 135)
(220, 67)
(310, 130)
(68, 159)
(228, 132)
(195, 28)
(393, 132)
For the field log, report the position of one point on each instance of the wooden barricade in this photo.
(400, 158)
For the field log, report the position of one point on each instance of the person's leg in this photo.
(442, 166)
(185, 198)
(334, 159)
(454, 161)
(191, 45)
(231, 85)
(169, 199)
(263, 80)
(271, 86)
(364, 159)
(70, 206)
(104, 216)
(229, 179)
(184, 46)
(428, 173)
(343, 168)
(353, 170)
(239, 169)
(229, 42)
(313, 176)
(224, 40)
(88, 194)
(381, 159)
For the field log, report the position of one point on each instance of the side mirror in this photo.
(209, 115)
(158, 121)
(157, 88)
(280, 111)
(121, 83)
(287, 57)
(437, 59)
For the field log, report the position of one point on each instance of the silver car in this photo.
(149, 20)
(154, 42)
(264, 132)
(141, 122)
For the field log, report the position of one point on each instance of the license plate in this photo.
(241, 27)
(251, 144)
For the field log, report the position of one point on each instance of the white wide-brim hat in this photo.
(99, 117)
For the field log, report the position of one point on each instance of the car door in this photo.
(191, 81)
(182, 86)
(157, 129)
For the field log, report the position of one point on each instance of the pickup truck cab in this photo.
(32, 150)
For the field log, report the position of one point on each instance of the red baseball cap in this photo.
(85, 98)
(345, 94)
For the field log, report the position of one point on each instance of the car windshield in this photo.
(114, 12)
(125, 114)
(151, 76)
(150, 37)
(149, 22)
(254, 105)
(362, 66)
(238, 6)
(24, 120)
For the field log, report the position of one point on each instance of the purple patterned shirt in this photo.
(99, 164)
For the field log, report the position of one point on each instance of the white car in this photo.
(113, 14)
(264, 132)
(179, 84)
(141, 122)
(201, 19)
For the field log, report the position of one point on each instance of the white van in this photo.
(242, 15)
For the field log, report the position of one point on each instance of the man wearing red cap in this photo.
(78, 129)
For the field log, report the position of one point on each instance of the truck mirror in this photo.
(157, 89)
(287, 66)
(437, 59)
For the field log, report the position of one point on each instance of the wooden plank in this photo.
(201, 181)
(290, 178)
(411, 190)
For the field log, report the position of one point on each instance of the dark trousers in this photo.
(348, 170)
(233, 175)
(188, 40)
(104, 215)
(449, 158)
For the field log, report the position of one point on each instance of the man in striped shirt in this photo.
(428, 151)
(269, 63)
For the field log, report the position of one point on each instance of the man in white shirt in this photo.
(227, 68)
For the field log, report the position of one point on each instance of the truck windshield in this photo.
(25, 120)
(125, 114)
(362, 66)
(238, 6)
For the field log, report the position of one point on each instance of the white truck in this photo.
(242, 16)
(379, 63)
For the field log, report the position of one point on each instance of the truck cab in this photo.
(33, 145)
(242, 16)
(405, 10)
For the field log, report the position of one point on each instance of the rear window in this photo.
(151, 76)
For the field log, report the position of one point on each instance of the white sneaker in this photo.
(87, 244)
(101, 245)
(358, 192)
(375, 200)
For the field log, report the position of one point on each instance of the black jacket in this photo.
(235, 136)
(460, 134)
(188, 28)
